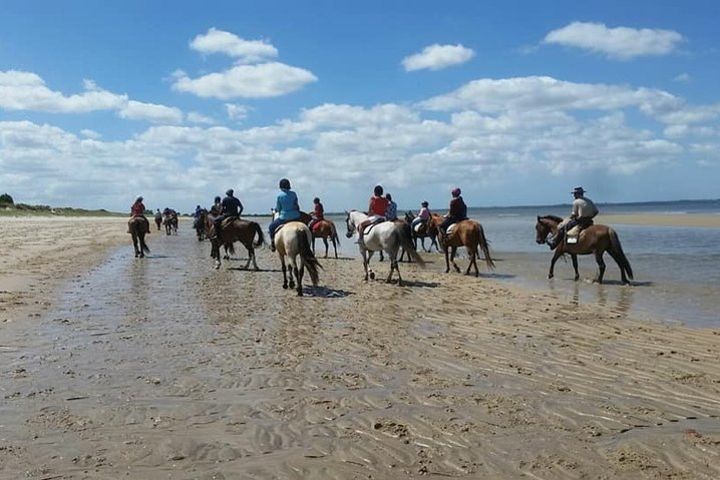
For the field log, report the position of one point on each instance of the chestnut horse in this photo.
(596, 239)
(468, 234)
(232, 231)
(138, 227)
(426, 229)
(325, 229)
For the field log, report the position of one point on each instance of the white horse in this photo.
(292, 240)
(385, 236)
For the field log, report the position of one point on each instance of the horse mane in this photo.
(551, 217)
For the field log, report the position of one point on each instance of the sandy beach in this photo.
(166, 368)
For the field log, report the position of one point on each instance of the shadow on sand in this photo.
(325, 292)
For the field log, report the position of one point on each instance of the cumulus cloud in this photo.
(437, 57)
(197, 117)
(621, 43)
(236, 112)
(682, 78)
(489, 130)
(247, 81)
(150, 112)
(252, 76)
(27, 91)
(245, 51)
(86, 132)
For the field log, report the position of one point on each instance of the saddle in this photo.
(227, 221)
(572, 236)
(450, 229)
(372, 225)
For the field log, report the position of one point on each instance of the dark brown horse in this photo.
(596, 239)
(468, 234)
(425, 230)
(199, 224)
(171, 223)
(138, 227)
(158, 221)
(325, 229)
(236, 230)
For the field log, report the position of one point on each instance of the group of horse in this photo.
(295, 243)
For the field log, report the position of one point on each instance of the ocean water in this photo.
(677, 269)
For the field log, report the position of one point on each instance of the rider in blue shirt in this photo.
(287, 209)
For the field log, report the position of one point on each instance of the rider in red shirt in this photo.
(138, 210)
(318, 213)
(376, 210)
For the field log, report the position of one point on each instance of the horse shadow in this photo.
(419, 284)
(631, 284)
(325, 292)
(251, 269)
(345, 259)
(498, 276)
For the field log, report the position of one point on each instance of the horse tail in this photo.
(308, 257)
(621, 258)
(407, 245)
(261, 237)
(482, 241)
(334, 233)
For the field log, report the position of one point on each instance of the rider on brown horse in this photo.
(138, 210)
(318, 213)
(231, 208)
(582, 214)
(456, 213)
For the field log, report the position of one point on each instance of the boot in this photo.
(272, 243)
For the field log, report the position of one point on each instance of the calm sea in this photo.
(677, 269)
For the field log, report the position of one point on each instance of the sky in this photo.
(515, 102)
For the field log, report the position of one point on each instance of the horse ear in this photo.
(538, 218)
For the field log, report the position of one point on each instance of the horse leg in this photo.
(284, 270)
(135, 245)
(393, 265)
(575, 266)
(327, 246)
(251, 254)
(452, 259)
(292, 268)
(601, 266)
(447, 260)
(299, 276)
(557, 255)
(334, 246)
(615, 257)
(141, 240)
(313, 244)
(422, 243)
(473, 263)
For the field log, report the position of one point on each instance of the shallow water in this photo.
(677, 270)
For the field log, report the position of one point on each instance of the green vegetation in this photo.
(21, 210)
(6, 199)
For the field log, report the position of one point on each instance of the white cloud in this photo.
(197, 117)
(27, 91)
(437, 57)
(236, 112)
(621, 43)
(682, 78)
(92, 134)
(494, 131)
(150, 112)
(245, 51)
(247, 81)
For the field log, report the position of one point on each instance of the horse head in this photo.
(544, 227)
(349, 224)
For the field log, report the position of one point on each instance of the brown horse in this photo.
(158, 221)
(426, 229)
(171, 223)
(596, 239)
(138, 227)
(325, 229)
(236, 230)
(468, 234)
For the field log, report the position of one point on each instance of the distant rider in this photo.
(377, 210)
(457, 211)
(423, 215)
(287, 209)
(138, 210)
(318, 213)
(582, 213)
(231, 208)
(391, 211)
(158, 218)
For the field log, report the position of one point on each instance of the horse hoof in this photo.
(300, 293)
(372, 276)
(550, 276)
(577, 278)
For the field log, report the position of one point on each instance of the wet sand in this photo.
(662, 220)
(166, 368)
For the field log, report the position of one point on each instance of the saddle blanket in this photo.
(418, 227)
(451, 228)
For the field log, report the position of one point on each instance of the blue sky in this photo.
(516, 102)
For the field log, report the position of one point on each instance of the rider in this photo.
(287, 209)
(158, 218)
(582, 213)
(231, 208)
(457, 213)
(391, 211)
(423, 215)
(377, 210)
(138, 210)
(318, 213)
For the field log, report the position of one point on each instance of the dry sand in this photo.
(662, 220)
(165, 368)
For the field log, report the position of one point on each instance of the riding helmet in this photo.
(217, 199)
(378, 190)
(230, 192)
(425, 204)
(139, 198)
(284, 184)
(456, 192)
(316, 200)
